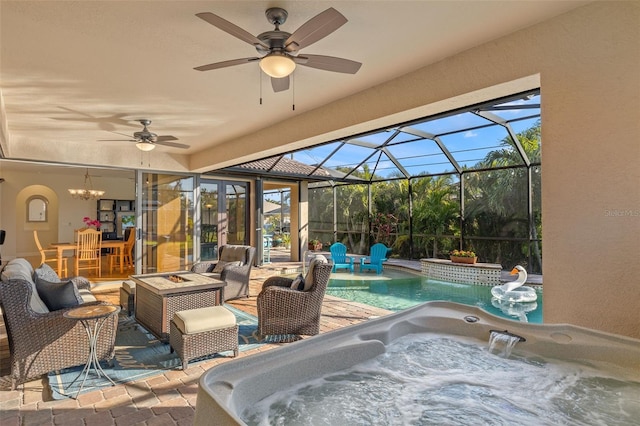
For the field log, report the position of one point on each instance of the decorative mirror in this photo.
(37, 209)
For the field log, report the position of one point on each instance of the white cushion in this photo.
(130, 286)
(18, 269)
(194, 321)
(87, 296)
(308, 281)
(21, 269)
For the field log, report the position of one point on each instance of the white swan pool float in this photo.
(518, 310)
(515, 291)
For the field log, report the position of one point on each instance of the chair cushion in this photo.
(86, 295)
(298, 283)
(18, 268)
(58, 295)
(129, 286)
(308, 281)
(194, 321)
(230, 253)
(21, 269)
(223, 263)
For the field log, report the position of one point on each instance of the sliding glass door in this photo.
(180, 225)
(223, 215)
(166, 206)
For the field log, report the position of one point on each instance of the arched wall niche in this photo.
(37, 209)
(47, 229)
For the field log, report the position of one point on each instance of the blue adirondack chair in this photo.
(340, 258)
(377, 256)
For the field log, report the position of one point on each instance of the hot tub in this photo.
(229, 390)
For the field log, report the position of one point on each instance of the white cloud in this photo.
(470, 134)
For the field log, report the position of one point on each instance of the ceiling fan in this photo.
(147, 140)
(279, 50)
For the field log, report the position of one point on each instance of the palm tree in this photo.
(496, 200)
(435, 210)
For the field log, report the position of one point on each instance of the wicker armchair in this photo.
(283, 310)
(45, 342)
(235, 276)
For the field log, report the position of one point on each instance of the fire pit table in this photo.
(159, 296)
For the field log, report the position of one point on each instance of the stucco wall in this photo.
(65, 213)
(591, 170)
(587, 63)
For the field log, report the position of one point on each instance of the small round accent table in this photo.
(92, 318)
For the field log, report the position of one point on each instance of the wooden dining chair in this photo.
(88, 251)
(114, 258)
(50, 255)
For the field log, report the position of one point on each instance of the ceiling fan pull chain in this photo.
(293, 91)
(260, 77)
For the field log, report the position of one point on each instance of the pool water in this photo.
(397, 290)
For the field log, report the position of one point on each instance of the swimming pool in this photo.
(398, 289)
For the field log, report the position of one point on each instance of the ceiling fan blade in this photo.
(280, 84)
(329, 63)
(165, 138)
(118, 133)
(232, 29)
(315, 29)
(171, 144)
(117, 140)
(225, 64)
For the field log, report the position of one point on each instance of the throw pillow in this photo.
(46, 272)
(221, 265)
(298, 283)
(58, 295)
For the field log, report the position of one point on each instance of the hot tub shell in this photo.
(226, 390)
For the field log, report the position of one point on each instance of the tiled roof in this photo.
(285, 166)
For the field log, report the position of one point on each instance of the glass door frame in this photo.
(221, 211)
(142, 224)
(198, 180)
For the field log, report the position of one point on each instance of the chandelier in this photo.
(88, 193)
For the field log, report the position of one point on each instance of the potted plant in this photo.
(315, 245)
(463, 256)
(91, 223)
(286, 240)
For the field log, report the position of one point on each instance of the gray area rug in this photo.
(139, 354)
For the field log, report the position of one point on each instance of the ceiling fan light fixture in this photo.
(277, 65)
(145, 146)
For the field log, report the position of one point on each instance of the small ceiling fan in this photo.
(279, 50)
(147, 140)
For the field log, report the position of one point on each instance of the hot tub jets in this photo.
(440, 338)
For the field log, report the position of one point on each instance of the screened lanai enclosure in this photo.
(467, 179)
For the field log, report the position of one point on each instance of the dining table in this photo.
(117, 245)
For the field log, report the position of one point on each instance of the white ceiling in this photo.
(75, 73)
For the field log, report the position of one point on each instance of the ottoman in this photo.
(198, 332)
(127, 296)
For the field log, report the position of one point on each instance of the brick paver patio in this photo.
(164, 399)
